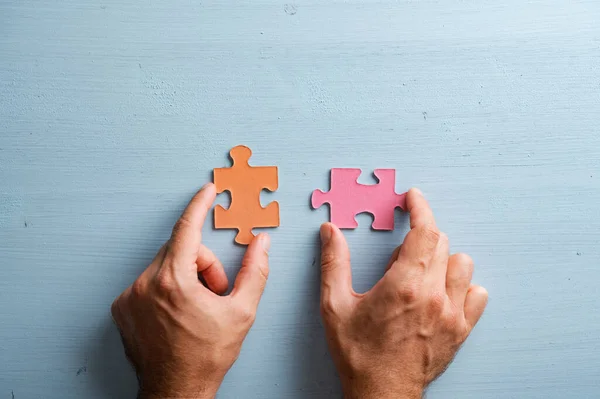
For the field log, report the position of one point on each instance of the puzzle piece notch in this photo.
(245, 183)
(226, 220)
(347, 198)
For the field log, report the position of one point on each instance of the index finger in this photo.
(187, 232)
(420, 212)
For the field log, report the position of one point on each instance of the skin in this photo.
(395, 339)
(390, 342)
(180, 336)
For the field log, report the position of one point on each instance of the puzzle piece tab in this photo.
(244, 183)
(347, 198)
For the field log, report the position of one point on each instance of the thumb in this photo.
(336, 274)
(252, 277)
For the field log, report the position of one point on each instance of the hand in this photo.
(393, 340)
(180, 336)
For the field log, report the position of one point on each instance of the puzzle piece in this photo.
(244, 183)
(347, 198)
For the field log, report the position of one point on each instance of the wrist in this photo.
(365, 387)
(178, 391)
(383, 393)
(175, 395)
(186, 383)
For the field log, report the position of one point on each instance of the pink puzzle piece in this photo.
(347, 198)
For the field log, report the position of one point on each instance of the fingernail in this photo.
(265, 242)
(418, 191)
(325, 234)
(204, 186)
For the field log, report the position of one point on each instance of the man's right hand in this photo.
(181, 336)
(393, 340)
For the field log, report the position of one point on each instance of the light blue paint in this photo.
(113, 113)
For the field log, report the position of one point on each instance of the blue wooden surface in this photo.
(113, 113)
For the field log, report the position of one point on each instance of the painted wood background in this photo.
(112, 113)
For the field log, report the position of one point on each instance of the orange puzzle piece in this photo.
(245, 183)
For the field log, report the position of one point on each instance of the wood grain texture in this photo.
(113, 113)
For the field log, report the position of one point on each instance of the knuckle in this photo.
(179, 230)
(246, 314)
(262, 268)
(462, 332)
(167, 288)
(410, 291)
(454, 323)
(164, 283)
(138, 288)
(449, 324)
(328, 261)
(421, 264)
(436, 302)
(181, 224)
(172, 243)
(430, 233)
(328, 306)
